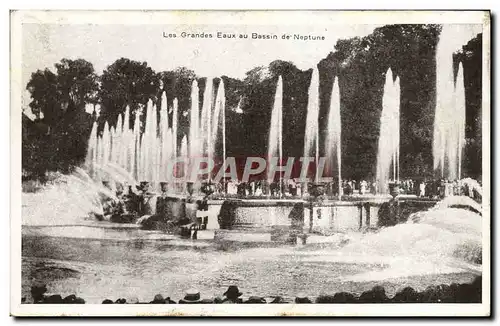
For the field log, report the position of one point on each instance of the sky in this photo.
(46, 44)
(43, 45)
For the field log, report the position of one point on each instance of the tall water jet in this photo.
(456, 129)
(136, 145)
(142, 158)
(275, 148)
(396, 128)
(174, 136)
(333, 142)
(125, 158)
(219, 108)
(194, 122)
(106, 144)
(224, 135)
(175, 121)
(461, 116)
(444, 98)
(184, 154)
(117, 140)
(311, 139)
(148, 147)
(165, 154)
(115, 145)
(449, 120)
(153, 139)
(91, 158)
(388, 143)
(206, 117)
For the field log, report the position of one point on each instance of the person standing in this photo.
(363, 187)
(422, 189)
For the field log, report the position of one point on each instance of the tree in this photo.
(76, 83)
(44, 92)
(61, 97)
(126, 82)
(177, 84)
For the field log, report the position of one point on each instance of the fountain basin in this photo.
(280, 219)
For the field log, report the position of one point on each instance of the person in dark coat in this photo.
(375, 295)
(302, 298)
(325, 298)
(192, 296)
(38, 292)
(232, 295)
(278, 299)
(467, 294)
(53, 299)
(477, 289)
(158, 299)
(445, 293)
(406, 295)
(430, 295)
(344, 297)
(256, 300)
(73, 299)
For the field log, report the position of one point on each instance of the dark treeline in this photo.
(58, 141)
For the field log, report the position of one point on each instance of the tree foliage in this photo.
(45, 96)
(126, 82)
(77, 83)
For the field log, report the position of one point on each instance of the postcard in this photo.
(311, 163)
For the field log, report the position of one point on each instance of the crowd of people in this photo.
(424, 188)
(436, 189)
(443, 293)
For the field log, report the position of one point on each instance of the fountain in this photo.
(311, 138)
(135, 146)
(218, 120)
(222, 100)
(206, 118)
(388, 144)
(204, 130)
(147, 152)
(275, 148)
(333, 137)
(165, 140)
(311, 143)
(194, 122)
(460, 122)
(283, 219)
(91, 158)
(175, 135)
(146, 155)
(143, 156)
(126, 133)
(449, 121)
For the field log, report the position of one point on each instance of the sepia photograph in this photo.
(312, 163)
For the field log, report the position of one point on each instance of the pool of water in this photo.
(101, 261)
